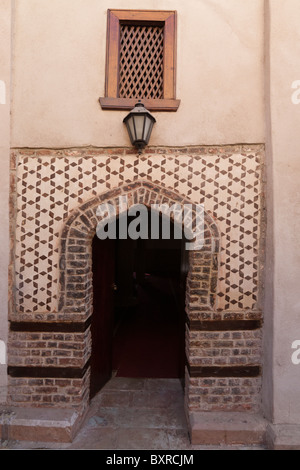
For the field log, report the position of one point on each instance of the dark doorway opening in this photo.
(138, 324)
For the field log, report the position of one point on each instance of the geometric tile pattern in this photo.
(51, 184)
(75, 261)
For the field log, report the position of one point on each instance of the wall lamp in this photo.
(139, 123)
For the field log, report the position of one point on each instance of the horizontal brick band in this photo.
(48, 372)
(237, 371)
(55, 327)
(223, 325)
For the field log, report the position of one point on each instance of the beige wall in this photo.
(5, 49)
(59, 67)
(58, 76)
(283, 260)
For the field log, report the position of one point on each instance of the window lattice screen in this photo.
(141, 61)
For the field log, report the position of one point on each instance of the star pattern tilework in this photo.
(50, 187)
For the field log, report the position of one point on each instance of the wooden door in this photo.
(103, 315)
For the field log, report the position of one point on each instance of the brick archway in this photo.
(49, 340)
(76, 289)
(65, 381)
(75, 299)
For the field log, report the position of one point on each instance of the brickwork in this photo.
(49, 349)
(75, 260)
(224, 347)
(223, 394)
(50, 392)
(55, 195)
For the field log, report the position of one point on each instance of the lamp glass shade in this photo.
(139, 123)
(139, 120)
(131, 130)
(147, 129)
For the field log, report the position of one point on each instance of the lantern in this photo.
(139, 123)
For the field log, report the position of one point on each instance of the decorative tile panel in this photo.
(52, 183)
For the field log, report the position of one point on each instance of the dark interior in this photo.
(147, 330)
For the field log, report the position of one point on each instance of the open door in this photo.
(184, 268)
(102, 318)
(139, 329)
(149, 339)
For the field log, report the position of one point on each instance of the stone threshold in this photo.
(238, 428)
(227, 428)
(283, 436)
(39, 424)
(205, 428)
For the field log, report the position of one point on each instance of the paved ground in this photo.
(132, 414)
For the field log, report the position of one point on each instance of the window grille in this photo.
(141, 61)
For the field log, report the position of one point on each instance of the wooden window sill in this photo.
(129, 103)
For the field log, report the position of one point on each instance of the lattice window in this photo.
(141, 61)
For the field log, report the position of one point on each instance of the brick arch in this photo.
(75, 262)
(63, 380)
(76, 283)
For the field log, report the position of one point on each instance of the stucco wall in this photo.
(5, 48)
(282, 303)
(59, 73)
(58, 76)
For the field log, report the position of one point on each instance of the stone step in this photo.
(39, 424)
(227, 428)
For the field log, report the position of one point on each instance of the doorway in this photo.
(138, 324)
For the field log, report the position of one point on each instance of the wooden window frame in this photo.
(116, 17)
